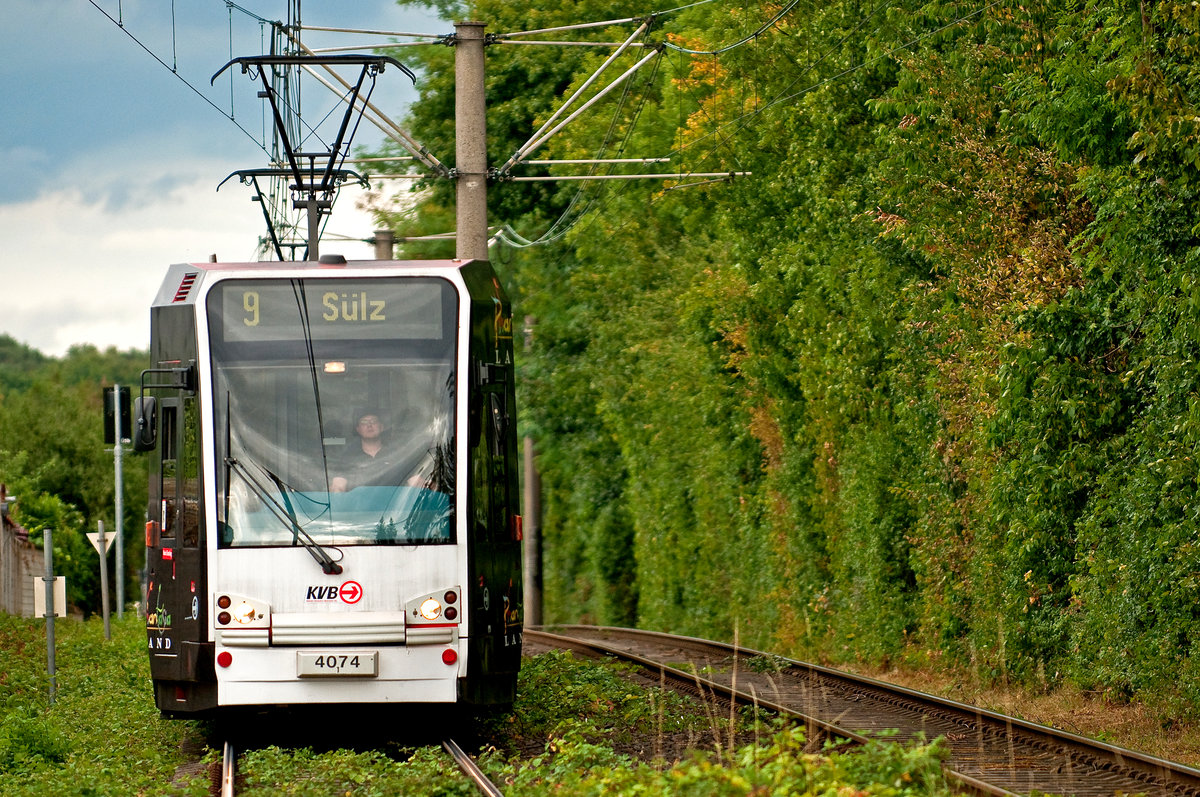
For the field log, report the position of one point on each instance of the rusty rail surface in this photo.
(989, 752)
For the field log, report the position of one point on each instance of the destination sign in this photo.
(331, 309)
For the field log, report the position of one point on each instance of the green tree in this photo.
(54, 460)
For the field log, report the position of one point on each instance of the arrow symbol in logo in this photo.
(350, 592)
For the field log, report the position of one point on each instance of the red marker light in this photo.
(451, 613)
(224, 658)
(449, 656)
(450, 596)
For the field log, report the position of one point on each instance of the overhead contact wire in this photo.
(182, 79)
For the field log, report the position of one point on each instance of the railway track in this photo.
(225, 784)
(989, 753)
(471, 769)
(228, 771)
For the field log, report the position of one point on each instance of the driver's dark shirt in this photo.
(362, 469)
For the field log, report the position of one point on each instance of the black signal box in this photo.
(116, 400)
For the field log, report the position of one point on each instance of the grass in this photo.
(102, 735)
(578, 728)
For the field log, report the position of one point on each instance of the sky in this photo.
(112, 162)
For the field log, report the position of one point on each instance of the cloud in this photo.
(77, 268)
(113, 162)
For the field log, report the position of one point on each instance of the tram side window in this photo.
(499, 464)
(180, 472)
(481, 490)
(170, 469)
(490, 471)
(189, 471)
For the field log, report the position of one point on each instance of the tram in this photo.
(333, 512)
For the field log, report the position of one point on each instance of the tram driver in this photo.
(371, 462)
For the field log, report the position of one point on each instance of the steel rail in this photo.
(686, 679)
(228, 770)
(1085, 766)
(471, 769)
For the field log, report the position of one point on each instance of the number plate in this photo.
(315, 664)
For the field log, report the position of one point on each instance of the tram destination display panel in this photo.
(334, 410)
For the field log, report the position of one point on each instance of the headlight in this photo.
(430, 609)
(244, 613)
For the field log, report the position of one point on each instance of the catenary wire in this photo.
(182, 79)
(745, 40)
(745, 119)
(570, 216)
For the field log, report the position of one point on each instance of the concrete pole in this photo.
(48, 581)
(118, 453)
(470, 130)
(385, 243)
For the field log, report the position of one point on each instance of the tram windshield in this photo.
(334, 409)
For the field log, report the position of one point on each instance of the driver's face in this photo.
(368, 426)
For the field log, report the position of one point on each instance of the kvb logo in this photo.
(349, 592)
(321, 594)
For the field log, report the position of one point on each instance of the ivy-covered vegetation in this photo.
(927, 380)
(56, 466)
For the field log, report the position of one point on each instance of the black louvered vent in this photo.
(185, 287)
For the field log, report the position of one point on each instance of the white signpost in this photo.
(50, 602)
(39, 596)
(102, 543)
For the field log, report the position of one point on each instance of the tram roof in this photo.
(180, 278)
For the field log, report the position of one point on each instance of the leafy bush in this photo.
(28, 740)
(782, 765)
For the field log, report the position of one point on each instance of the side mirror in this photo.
(145, 423)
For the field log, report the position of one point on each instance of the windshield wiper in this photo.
(224, 527)
(285, 514)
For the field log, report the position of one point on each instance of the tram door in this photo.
(495, 530)
(176, 607)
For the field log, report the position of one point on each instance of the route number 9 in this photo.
(250, 305)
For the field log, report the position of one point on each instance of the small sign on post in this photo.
(39, 597)
(101, 543)
(99, 538)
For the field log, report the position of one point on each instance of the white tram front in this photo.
(333, 497)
